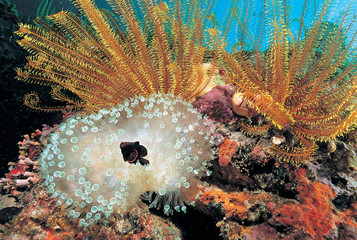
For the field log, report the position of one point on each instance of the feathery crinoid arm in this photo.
(323, 99)
(253, 86)
(66, 53)
(104, 58)
(169, 47)
(259, 67)
(303, 74)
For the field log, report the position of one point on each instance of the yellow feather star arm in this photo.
(259, 99)
(105, 58)
(294, 155)
(252, 130)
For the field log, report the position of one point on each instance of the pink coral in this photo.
(217, 104)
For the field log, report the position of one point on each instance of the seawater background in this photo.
(17, 120)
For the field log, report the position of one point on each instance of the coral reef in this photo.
(140, 144)
(255, 196)
(35, 215)
(152, 72)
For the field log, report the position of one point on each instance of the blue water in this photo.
(250, 14)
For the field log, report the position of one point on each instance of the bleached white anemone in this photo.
(84, 167)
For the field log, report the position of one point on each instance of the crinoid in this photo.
(105, 58)
(299, 73)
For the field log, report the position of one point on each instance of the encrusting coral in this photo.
(302, 81)
(136, 224)
(314, 213)
(136, 81)
(226, 151)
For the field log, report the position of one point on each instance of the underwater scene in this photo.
(178, 119)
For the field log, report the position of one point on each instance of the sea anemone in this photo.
(84, 166)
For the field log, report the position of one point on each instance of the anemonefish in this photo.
(134, 152)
